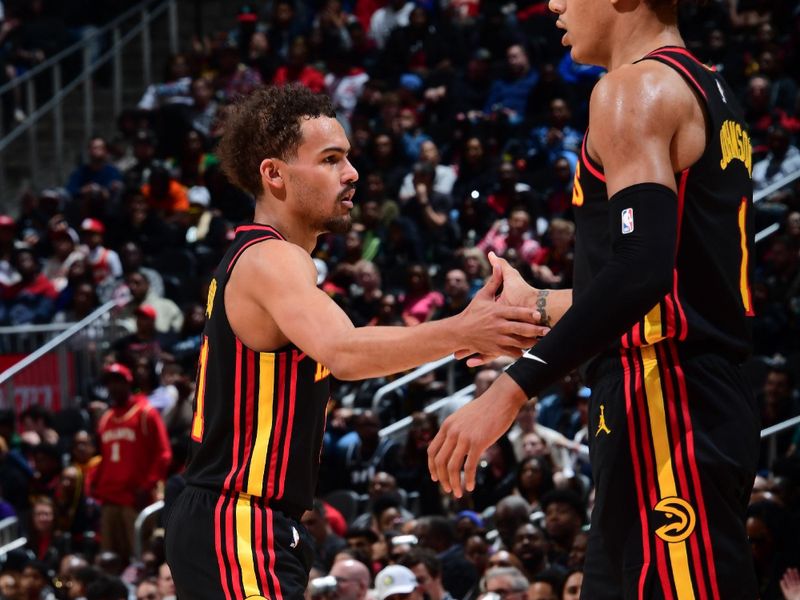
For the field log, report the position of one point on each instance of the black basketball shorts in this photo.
(674, 441)
(231, 547)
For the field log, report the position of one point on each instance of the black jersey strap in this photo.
(643, 220)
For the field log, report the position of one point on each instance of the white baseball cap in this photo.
(394, 579)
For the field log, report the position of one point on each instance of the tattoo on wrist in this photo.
(541, 306)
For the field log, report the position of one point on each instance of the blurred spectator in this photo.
(168, 317)
(550, 141)
(326, 543)
(507, 582)
(30, 300)
(412, 473)
(438, 534)
(782, 159)
(65, 252)
(97, 175)
(362, 453)
(514, 233)
(428, 571)
(297, 70)
(421, 302)
(508, 97)
(136, 453)
(35, 582)
(176, 86)
(394, 14)
(397, 581)
(778, 401)
(105, 263)
(163, 193)
(565, 514)
(457, 294)
(234, 78)
(353, 579)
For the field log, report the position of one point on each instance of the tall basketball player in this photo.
(659, 317)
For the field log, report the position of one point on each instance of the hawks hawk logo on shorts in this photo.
(627, 221)
(680, 518)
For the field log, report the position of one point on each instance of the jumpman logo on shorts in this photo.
(602, 425)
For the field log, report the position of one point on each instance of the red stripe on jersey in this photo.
(702, 519)
(271, 552)
(626, 367)
(669, 305)
(288, 439)
(230, 548)
(239, 230)
(636, 334)
(223, 570)
(681, 205)
(276, 439)
(237, 417)
(258, 542)
(587, 161)
(245, 247)
(686, 53)
(677, 458)
(682, 69)
(647, 450)
(249, 410)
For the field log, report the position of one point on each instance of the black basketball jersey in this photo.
(710, 301)
(259, 416)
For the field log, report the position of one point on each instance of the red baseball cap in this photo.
(6, 221)
(147, 311)
(121, 370)
(93, 225)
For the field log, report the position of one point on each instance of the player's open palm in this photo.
(492, 328)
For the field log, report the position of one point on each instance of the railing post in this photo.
(773, 450)
(117, 72)
(173, 26)
(33, 150)
(58, 125)
(63, 377)
(146, 70)
(88, 99)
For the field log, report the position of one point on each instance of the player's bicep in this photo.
(634, 117)
(287, 291)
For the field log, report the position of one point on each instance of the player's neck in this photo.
(294, 230)
(638, 40)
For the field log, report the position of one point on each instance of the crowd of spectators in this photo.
(466, 118)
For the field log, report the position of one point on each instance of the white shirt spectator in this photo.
(767, 171)
(386, 19)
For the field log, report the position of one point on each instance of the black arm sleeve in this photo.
(633, 281)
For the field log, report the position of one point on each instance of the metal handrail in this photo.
(82, 43)
(761, 194)
(409, 377)
(88, 70)
(56, 341)
(147, 512)
(778, 427)
(405, 422)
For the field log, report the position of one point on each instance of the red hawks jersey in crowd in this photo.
(135, 452)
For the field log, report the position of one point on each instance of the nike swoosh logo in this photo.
(527, 354)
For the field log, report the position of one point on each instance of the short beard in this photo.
(338, 225)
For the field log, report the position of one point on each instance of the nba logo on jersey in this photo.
(627, 221)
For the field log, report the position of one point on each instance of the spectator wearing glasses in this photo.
(507, 582)
(352, 580)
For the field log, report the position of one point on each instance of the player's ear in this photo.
(271, 175)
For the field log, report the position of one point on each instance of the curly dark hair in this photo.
(266, 124)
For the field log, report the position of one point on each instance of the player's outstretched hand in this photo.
(516, 293)
(490, 328)
(790, 584)
(466, 434)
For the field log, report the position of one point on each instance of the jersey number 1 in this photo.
(198, 421)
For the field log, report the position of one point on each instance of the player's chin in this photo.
(339, 223)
